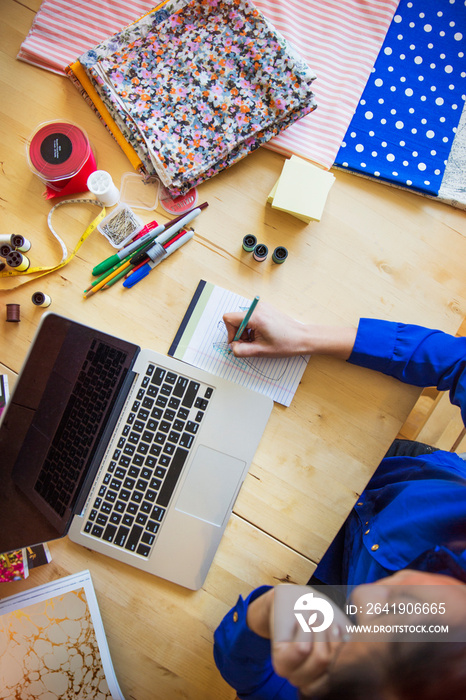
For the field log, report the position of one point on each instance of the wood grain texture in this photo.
(377, 252)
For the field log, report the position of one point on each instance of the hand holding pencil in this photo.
(268, 333)
(271, 333)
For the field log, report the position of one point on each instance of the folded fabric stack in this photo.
(417, 81)
(193, 87)
(340, 39)
(409, 129)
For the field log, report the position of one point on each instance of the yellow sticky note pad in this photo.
(301, 190)
(272, 193)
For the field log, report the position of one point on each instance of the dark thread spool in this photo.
(249, 243)
(17, 260)
(20, 243)
(5, 249)
(260, 252)
(41, 299)
(279, 255)
(12, 313)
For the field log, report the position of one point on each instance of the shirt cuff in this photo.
(244, 658)
(233, 636)
(374, 344)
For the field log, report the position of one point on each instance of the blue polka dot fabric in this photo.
(405, 123)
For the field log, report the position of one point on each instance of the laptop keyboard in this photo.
(90, 399)
(143, 471)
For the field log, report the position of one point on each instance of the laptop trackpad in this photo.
(210, 486)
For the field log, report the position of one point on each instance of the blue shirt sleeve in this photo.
(414, 355)
(243, 657)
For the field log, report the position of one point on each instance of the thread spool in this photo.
(20, 243)
(100, 183)
(5, 249)
(13, 313)
(279, 255)
(41, 299)
(260, 252)
(60, 154)
(17, 260)
(2, 266)
(249, 243)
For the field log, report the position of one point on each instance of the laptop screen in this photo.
(61, 403)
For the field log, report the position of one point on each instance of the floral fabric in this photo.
(195, 86)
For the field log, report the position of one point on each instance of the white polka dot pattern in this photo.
(408, 114)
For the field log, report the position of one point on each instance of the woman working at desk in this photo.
(407, 528)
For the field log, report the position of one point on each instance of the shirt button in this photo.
(235, 616)
(367, 532)
(375, 547)
(360, 503)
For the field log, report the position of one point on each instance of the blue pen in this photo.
(157, 256)
(174, 225)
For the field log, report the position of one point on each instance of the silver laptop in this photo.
(131, 453)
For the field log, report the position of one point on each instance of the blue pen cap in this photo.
(137, 275)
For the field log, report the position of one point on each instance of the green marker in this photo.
(245, 320)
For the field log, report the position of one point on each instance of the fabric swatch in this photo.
(453, 187)
(63, 29)
(203, 85)
(341, 40)
(408, 114)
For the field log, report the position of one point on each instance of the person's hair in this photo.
(406, 671)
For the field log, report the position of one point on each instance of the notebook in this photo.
(202, 341)
(131, 453)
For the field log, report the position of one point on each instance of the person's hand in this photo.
(269, 333)
(304, 658)
(306, 663)
(259, 614)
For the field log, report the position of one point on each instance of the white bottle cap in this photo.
(100, 183)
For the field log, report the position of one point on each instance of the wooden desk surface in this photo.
(378, 251)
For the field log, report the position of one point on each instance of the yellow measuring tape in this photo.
(66, 257)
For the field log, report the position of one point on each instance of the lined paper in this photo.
(202, 341)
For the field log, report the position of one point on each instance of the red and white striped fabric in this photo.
(63, 29)
(338, 39)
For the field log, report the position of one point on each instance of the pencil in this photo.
(107, 279)
(117, 266)
(245, 320)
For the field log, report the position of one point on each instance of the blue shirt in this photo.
(412, 513)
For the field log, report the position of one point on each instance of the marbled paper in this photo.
(49, 650)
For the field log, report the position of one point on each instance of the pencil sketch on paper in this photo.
(264, 367)
(203, 342)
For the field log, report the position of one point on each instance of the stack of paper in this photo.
(301, 189)
(53, 644)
